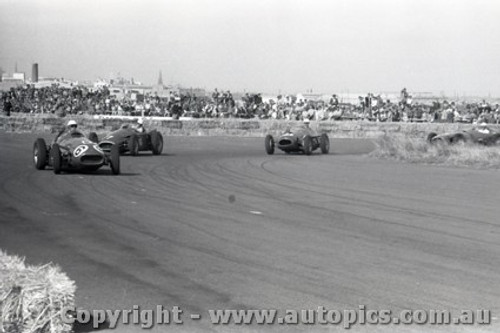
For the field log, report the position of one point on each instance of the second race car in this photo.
(131, 141)
(298, 139)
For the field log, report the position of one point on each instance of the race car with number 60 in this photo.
(74, 152)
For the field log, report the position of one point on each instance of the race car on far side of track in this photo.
(131, 141)
(298, 139)
(480, 135)
(73, 151)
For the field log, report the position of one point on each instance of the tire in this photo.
(114, 159)
(324, 143)
(40, 154)
(156, 142)
(133, 145)
(430, 137)
(307, 145)
(269, 144)
(93, 137)
(55, 154)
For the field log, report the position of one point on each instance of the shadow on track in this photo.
(94, 173)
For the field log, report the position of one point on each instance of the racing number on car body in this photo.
(80, 150)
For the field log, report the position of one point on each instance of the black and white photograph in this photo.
(249, 166)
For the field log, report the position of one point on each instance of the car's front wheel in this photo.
(324, 143)
(133, 145)
(430, 137)
(307, 145)
(269, 144)
(55, 154)
(156, 142)
(114, 159)
(40, 154)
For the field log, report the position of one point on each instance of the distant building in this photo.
(19, 76)
(198, 92)
(8, 82)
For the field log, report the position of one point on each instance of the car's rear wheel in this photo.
(114, 159)
(40, 154)
(133, 145)
(324, 143)
(156, 142)
(93, 137)
(55, 154)
(269, 144)
(430, 137)
(307, 145)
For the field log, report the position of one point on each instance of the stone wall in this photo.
(226, 127)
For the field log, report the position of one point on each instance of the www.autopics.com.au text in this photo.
(147, 318)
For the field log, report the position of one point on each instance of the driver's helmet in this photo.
(140, 121)
(306, 121)
(72, 124)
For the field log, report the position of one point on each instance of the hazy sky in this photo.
(261, 45)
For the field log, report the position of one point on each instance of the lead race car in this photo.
(130, 140)
(73, 151)
(298, 139)
(479, 135)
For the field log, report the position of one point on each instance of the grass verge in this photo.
(32, 297)
(417, 150)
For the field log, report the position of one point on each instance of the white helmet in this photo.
(306, 121)
(140, 121)
(72, 123)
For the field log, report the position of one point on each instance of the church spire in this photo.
(160, 80)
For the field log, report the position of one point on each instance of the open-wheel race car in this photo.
(73, 151)
(129, 140)
(298, 139)
(480, 135)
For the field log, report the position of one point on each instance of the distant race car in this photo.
(298, 139)
(131, 141)
(73, 151)
(481, 135)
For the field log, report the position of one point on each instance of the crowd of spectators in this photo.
(221, 104)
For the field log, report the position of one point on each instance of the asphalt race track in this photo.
(215, 223)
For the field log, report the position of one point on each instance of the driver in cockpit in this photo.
(71, 127)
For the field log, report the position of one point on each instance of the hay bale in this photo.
(32, 297)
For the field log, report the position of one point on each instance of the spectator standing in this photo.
(334, 101)
(496, 114)
(7, 106)
(403, 96)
